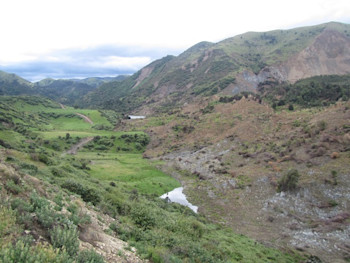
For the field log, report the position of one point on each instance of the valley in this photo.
(119, 193)
(255, 128)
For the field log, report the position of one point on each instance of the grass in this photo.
(130, 171)
(121, 184)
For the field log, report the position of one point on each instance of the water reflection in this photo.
(177, 196)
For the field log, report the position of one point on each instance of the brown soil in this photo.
(76, 147)
(86, 118)
(232, 159)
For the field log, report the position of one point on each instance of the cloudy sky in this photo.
(81, 38)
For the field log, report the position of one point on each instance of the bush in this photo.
(12, 187)
(65, 238)
(87, 194)
(44, 159)
(37, 201)
(24, 253)
(7, 225)
(322, 125)
(89, 256)
(46, 216)
(143, 216)
(289, 181)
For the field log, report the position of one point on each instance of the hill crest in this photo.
(228, 67)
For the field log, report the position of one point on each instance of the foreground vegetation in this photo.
(41, 221)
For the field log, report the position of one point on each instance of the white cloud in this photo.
(131, 63)
(37, 29)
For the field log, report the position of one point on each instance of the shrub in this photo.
(65, 238)
(44, 159)
(37, 201)
(46, 216)
(143, 216)
(12, 187)
(87, 194)
(89, 256)
(289, 181)
(29, 168)
(22, 252)
(321, 125)
(21, 206)
(7, 225)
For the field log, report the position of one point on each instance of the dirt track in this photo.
(87, 119)
(76, 147)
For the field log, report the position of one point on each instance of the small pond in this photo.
(177, 196)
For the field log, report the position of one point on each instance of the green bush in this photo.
(12, 187)
(143, 216)
(46, 216)
(7, 224)
(38, 202)
(65, 238)
(289, 181)
(24, 253)
(89, 256)
(87, 194)
(45, 159)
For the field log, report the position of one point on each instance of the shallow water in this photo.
(177, 196)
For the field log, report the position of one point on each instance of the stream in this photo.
(177, 196)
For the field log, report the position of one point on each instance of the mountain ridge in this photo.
(231, 66)
(62, 90)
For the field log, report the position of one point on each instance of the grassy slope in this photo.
(121, 184)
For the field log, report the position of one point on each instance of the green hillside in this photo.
(11, 84)
(60, 90)
(205, 69)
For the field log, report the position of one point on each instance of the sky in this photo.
(85, 38)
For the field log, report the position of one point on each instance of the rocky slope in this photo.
(231, 158)
(228, 67)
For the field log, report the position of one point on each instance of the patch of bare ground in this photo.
(110, 247)
(81, 143)
(86, 118)
(233, 159)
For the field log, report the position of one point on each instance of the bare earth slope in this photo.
(231, 160)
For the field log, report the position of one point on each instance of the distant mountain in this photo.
(66, 91)
(97, 81)
(11, 84)
(231, 66)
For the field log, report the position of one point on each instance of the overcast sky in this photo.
(81, 38)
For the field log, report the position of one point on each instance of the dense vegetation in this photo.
(110, 175)
(61, 90)
(310, 92)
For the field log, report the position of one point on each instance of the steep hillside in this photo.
(230, 66)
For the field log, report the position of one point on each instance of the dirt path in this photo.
(86, 118)
(62, 106)
(76, 147)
